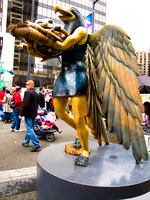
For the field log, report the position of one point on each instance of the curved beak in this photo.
(66, 15)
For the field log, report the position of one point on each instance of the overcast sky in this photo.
(134, 17)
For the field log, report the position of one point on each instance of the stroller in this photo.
(41, 132)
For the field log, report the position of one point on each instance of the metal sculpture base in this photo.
(111, 174)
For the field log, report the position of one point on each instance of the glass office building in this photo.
(20, 11)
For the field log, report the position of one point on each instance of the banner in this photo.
(5, 70)
(89, 23)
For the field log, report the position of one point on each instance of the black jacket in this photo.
(41, 100)
(30, 104)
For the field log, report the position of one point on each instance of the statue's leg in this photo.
(79, 108)
(60, 106)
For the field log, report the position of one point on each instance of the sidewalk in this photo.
(18, 164)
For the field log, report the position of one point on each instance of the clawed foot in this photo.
(77, 144)
(81, 161)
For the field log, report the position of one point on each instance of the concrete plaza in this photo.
(18, 165)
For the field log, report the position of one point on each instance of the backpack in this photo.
(11, 102)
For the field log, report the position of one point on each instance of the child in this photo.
(147, 113)
(49, 121)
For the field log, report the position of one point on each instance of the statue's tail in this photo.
(94, 117)
(100, 132)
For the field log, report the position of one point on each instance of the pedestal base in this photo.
(111, 174)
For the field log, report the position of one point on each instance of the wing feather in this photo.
(106, 94)
(134, 138)
(117, 121)
(111, 109)
(125, 129)
(101, 83)
(113, 71)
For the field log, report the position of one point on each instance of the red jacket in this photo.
(52, 102)
(18, 100)
(2, 93)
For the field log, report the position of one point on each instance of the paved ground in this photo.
(14, 156)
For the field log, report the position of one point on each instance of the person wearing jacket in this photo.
(41, 97)
(8, 116)
(29, 111)
(18, 101)
(2, 93)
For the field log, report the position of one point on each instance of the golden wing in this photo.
(112, 69)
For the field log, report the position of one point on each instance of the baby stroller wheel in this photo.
(50, 137)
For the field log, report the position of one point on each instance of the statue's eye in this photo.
(50, 21)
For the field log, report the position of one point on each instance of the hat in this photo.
(17, 88)
(30, 82)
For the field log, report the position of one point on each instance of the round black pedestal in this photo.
(111, 174)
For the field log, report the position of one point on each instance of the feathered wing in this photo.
(113, 88)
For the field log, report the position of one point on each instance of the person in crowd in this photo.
(41, 97)
(70, 106)
(52, 104)
(147, 113)
(48, 100)
(29, 111)
(12, 91)
(8, 112)
(36, 90)
(2, 93)
(18, 101)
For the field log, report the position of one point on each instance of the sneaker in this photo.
(34, 149)
(18, 130)
(60, 130)
(12, 130)
(25, 145)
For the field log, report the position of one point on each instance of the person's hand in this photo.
(20, 117)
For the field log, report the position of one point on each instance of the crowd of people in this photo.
(33, 100)
(14, 107)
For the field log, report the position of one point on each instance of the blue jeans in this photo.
(30, 135)
(1, 107)
(8, 116)
(52, 109)
(17, 121)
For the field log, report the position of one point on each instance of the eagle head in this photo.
(71, 18)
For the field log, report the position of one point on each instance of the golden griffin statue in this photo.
(99, 72)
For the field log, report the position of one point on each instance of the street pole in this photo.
(93, 12)
(29, 57)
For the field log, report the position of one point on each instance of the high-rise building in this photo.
(20, 11)
(143, 60)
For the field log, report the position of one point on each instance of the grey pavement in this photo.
(18, 166)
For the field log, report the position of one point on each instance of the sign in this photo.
(89, 23)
